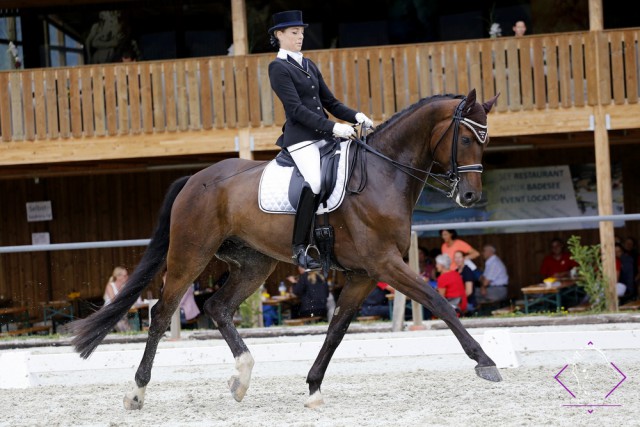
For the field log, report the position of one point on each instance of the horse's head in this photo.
(457, 143)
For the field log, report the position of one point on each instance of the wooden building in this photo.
(103, 142)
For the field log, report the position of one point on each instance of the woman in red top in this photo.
(450, 283)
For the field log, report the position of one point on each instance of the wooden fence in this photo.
(532, 73)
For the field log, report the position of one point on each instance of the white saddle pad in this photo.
(273, 195)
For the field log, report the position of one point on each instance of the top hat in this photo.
(286, 19)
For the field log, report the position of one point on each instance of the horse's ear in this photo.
(487, 105)
(471, 98)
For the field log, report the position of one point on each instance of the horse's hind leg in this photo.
(247, 271)
(351, 297)
(180, 275)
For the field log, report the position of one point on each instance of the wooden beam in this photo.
(596, 19)
(239, 24)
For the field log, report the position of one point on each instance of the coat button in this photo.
(317, 108)
(313, 87)
(308, 77)
(314, 97)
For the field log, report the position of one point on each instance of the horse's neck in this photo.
(407, 142)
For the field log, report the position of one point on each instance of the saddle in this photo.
(281, 181)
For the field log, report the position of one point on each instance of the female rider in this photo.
(300, 87)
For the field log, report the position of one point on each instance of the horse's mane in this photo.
(476, 113)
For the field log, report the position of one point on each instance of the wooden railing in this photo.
(532, 73)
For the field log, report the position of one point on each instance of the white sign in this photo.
(40, 239)
(39, 211)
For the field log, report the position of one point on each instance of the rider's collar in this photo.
(297, 56)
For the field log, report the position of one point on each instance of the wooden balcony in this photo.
(548, 84)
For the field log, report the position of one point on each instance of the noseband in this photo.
(447, 183)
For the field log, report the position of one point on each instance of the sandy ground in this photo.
(407, 391)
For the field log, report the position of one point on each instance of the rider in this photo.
(300, 87)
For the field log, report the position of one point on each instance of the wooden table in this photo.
(278, 301)
(57, 310)
(540, 293)
(13, 315)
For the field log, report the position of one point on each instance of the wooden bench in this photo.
(632, 305)
(28, 331)
(301, 321)
(579, 308)
(368, 318)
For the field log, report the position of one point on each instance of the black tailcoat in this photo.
(305, 97)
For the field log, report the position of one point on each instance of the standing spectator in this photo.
(312, 290)
(450, 283)
(519, 28)
(495, 279)
(451, 243)
(467, 278)
(558, 263)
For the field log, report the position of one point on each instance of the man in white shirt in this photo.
(495, 280)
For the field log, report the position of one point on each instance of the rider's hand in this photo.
(343, 131)
(364, 120)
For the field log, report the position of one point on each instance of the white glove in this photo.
(343, 131)
(366, 121)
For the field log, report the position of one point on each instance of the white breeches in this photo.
(306, 154)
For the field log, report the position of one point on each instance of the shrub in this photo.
(590, 276)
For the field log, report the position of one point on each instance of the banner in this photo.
(526, 193)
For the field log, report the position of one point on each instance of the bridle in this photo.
(445, 183)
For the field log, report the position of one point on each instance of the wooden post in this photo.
(239, 23)
(414, 263)
(603, 166)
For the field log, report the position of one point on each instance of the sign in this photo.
(526, 193)
(40, 239)
(39, 211)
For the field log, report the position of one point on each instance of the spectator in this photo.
(450, 283)
(427, 269)
(519, 28)
(312, 290)
(451, 243)
(624, 269)
(495, 279)
(558, 263)
(631, 248)
(376, 303)
(467, 278)
(188, 308)
(116, 282)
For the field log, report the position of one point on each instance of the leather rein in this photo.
(445, 183)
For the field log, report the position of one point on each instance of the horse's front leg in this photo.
(398, 273)
(354, 292)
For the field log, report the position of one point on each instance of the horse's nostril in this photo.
(469, 195)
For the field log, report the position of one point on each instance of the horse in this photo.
(215, 212)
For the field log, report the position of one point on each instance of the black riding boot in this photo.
(301, 229)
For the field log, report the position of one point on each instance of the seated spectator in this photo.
(494, 280)
(467, 278)
(116, 282)
(558, 263)
(376, 303)
(188, 308)
(450, 283)
(427, 269)
(624, 270)
(313, 291)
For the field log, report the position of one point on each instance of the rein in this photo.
(448, 181)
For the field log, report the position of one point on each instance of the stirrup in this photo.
(304, 260)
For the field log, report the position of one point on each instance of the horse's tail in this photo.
(90, 332)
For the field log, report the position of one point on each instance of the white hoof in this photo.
(315, 400)
(239, 384)
(134, 399)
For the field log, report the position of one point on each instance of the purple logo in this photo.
(586, 379)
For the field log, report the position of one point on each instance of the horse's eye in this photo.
(466, 140)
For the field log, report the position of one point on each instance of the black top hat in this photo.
(286, 19)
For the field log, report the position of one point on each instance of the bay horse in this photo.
(215, 212)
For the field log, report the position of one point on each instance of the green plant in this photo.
(590, 276)
(251, 310)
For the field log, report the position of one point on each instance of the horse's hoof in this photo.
(132, 403)
(489, 373)
(314, 401)
(236, 388)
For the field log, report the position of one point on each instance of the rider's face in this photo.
(291, 38)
